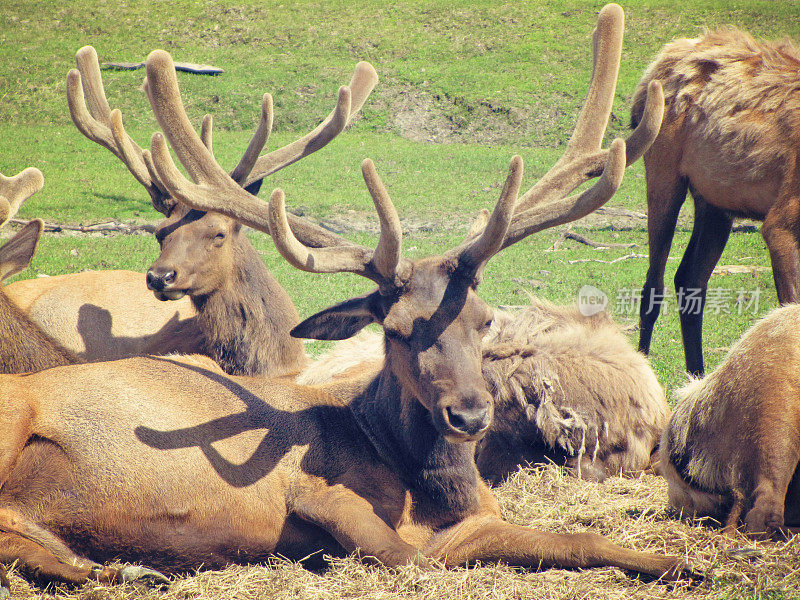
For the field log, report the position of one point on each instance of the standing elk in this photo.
(129, 464)
(239, 314)
(730, 137)
(732, 447)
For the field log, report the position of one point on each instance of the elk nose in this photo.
(158, 281)
(470, 419)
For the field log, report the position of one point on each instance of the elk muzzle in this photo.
(161, 282)
(468, 417)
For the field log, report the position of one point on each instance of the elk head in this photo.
(199, 249)
(17, 252)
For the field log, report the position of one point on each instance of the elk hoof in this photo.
(686, 571)
(148, 577)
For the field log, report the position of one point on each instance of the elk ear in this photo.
(16, 253)
(341, 321)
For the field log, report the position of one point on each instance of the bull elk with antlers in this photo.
(130, 464)
(730, 137)
(205, 255)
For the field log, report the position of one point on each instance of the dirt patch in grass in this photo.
(420, 114)
(632, 512)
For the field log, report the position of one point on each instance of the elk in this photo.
(567, 388)
(601, 423)
(729, 137)
(24, 346)
(732, 447)
(239, 314)
(179, 466)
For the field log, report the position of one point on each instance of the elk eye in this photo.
(219, 236)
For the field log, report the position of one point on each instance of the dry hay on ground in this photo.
(632, 512)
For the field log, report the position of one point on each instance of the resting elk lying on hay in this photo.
(730, 137)
(567, 388)
(131, 464)
(110, 314)
(732, 447)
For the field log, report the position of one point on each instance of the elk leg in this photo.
(489, 539)
(46, 558)
(732, 521)
(16, 422)
(712, 226)
(665, 196)
(781, 232)
(352, 521)
(779, 454)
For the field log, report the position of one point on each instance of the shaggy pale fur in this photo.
(733, 443)
(567, 388)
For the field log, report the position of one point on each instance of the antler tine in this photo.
(363, 81)
(583, 158)
(606, 53)
(565, 210)
(386, 257)
(104, 126)
(478, 249)
(647, 130)
(15, 190)
(257, 143)
(384, 265)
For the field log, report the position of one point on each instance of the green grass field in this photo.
(464, 86)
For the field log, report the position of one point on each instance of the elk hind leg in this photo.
(666, 193)
(781, 232)
(45, 558)
(712, 226)
(489, 539)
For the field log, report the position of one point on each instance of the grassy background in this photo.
(464, 86)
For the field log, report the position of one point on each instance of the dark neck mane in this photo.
(246, 323)
(441, 475)
(24, 347)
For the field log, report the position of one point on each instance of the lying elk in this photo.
(567, 388)
(601, 418)
(183, 467)
(24, 346)
(203, 254)
(729, 137)
(732, 447)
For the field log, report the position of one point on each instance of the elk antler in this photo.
(385, 265)
(211, 182)
(15, 190)
(545, 205)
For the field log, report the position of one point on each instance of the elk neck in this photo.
(24, 347)
(247, 321)
(441, 475)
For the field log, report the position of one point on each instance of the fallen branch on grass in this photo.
(577, 237)
(112, 226)
(616, 260)
(179, 66)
